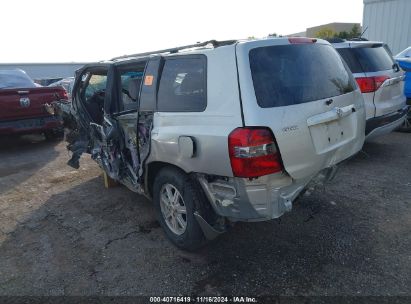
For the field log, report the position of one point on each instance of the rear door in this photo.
(129, 78)
(305, 94)
(89, 93)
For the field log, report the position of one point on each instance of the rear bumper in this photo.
(385, 124)
(30, 125)
(261, 199)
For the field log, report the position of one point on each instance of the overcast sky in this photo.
(92, 30)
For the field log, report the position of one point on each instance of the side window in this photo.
(130, 88)
(183, 85)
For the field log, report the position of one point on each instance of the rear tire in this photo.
(174, 185)
(406, 126)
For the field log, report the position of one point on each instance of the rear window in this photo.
(293, 74)
(14, 79)
(367, 59)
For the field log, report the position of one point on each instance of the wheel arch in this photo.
(151, 171)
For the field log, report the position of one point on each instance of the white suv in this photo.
(381, 82)
(219, 132)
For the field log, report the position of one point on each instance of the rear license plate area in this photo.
(331, 135)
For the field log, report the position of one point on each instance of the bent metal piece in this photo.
(209, 232)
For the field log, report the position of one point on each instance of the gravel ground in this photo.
(63, 233)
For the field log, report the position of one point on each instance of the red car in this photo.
(27, 108)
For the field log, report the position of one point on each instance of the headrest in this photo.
(134, 87)
(192, 82)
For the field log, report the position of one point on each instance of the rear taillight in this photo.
(370, 84)
(253, 152)
(61, 93)
(301, 40)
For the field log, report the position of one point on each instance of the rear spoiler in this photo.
(367, 45)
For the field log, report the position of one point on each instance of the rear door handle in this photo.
(331, 115)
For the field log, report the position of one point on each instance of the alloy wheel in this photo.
(173, 209)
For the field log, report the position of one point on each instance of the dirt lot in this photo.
(63, 233)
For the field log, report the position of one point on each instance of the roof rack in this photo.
(215, 44)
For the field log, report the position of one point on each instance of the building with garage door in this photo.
(388, 21)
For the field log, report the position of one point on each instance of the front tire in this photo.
(176, 197)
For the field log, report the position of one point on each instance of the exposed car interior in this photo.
(130, 95)
(92, 94)
(118, 135)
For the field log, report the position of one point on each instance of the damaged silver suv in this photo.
(218, 132)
